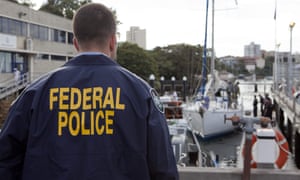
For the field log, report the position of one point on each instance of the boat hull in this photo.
(210, 123)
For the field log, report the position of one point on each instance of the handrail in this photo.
(11, 86)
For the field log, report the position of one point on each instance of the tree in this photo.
(137, 60)
(179, 60)
(64, 8)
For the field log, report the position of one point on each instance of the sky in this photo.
(237, 23)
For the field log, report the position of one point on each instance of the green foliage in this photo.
(136, 60)
(64, 8)
(179, 60)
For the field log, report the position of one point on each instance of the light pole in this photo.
(151, 79)
(173, 82)
(184, 79)
(275, 71)
(162, 79)
(290, 66)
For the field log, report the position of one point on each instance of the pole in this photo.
(290, 66)
(275, 69)
(203, 83)
(213, 44)
(247, 159)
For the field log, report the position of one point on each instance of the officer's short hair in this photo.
(93, 22)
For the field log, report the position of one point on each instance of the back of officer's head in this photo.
(93, 24)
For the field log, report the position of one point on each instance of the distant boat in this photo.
(206, 112)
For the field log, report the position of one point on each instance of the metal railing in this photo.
(11, 86)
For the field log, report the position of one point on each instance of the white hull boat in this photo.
(206, 115)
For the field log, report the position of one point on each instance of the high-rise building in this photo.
(137, 36)
(252, 50)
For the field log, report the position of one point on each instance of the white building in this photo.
(252, 50)
(137, 36)
(34, 42)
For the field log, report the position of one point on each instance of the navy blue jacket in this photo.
(89, 119)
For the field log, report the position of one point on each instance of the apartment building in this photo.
(137, 36)
(252, 50)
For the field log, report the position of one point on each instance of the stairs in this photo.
(9, 91)
(11, 86)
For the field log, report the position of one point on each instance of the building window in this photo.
(43, 33)
(58, 58)
(58, 36)
(14, 27)
(5, 62)
(39, 32)
(70, 38)
(3, 25)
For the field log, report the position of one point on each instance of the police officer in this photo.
(89, 119)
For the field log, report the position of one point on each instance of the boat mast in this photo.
(203, 83)
(212, 67)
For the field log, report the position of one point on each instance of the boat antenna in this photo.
(203, 82)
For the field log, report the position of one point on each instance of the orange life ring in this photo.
(283, 150)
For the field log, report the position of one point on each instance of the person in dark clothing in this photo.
(89, 119)
(261, 102)
(255, 102)
(235, 94)
(268, 107)
(255, 88)
(229, 90)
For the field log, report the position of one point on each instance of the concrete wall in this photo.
(194, 173)
(41, 67)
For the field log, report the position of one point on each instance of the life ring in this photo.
(283, 150)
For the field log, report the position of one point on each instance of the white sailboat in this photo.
(206, 113)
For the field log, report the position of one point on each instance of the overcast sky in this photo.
(237, 22)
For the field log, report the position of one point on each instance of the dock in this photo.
(194, 173)
(287, 117)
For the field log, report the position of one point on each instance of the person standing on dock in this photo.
(235, 94)
(255, 102)
(261, 102)
(268, 106)
(229, 90)
(255, 88)
(90, 118)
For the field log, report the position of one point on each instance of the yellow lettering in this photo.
(108, 121)
(97, 97)
(53, 98)
(86, 100)
(74, 116)
(99, 129)
(63, 97)
(75, 94)
(92, 123)
(62, 121)
(118, 105)
(84, 131)
(109, 98)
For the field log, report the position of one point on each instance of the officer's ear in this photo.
(75, 42)
(113, 43)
